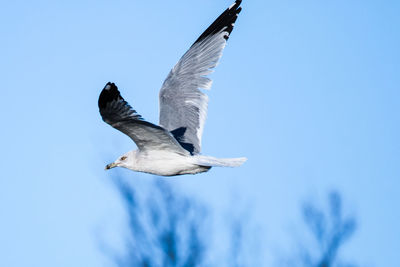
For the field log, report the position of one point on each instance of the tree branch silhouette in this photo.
(330, 229)
(164, 228)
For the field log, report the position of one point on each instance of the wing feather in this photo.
(119, 114)
(182, 103)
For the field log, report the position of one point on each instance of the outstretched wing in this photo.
(183, 107)
(119, 114)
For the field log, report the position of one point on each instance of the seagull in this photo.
(173, 147)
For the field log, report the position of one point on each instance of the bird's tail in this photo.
(215, 162)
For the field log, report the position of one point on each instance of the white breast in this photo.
(165, 163)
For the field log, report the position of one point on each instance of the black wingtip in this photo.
(237, 4)
(108, 94)
(110, 84)
(224, 22)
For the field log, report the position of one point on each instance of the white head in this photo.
(126, 160)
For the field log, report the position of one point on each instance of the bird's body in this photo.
(173, 147)
(162, 163)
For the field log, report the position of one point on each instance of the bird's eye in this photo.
(123, 158)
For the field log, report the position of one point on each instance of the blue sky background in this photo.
(307, 90)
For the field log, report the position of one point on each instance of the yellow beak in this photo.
(110, 166)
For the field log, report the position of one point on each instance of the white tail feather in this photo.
(215, 162)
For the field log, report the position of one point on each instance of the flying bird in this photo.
(173, 147)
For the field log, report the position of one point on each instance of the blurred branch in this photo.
(330, 230)
(164, 227)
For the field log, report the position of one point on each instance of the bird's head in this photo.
(126, 160)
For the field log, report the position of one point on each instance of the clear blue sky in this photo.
(307, 90)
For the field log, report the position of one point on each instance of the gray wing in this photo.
(183, 106)
(119, 114)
